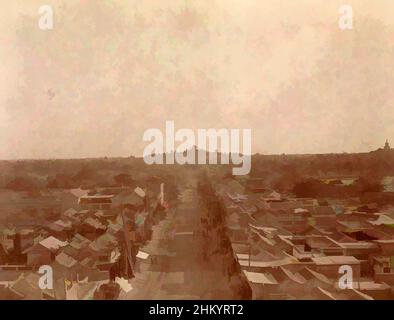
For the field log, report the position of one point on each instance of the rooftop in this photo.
(334, 260)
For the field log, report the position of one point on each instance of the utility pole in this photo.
(250, 252)
(127, 240)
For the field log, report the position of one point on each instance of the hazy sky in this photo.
(109, 70)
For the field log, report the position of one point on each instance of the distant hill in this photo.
(280, 171)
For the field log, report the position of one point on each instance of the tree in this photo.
(123, 179)
(21, 184)
(368, 185)
(308, 188)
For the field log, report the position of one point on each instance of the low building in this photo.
(98, 202)
(43, 253)
(330, 265)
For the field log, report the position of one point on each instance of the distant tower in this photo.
(387, 145)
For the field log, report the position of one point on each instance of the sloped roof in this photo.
(334, 260)
(271, 195)
(98, 196)
(350, 294)
(300, 210)
(372, 285)
(71, 251)
(105, 242)
(382, 219)
(88, 262)
(78, 192)
(309, 273)
(124, 284)
(70, 212)
(129, 197)
(53, 243)
(60, 225)
(27, 286)
(324, 210)
(296, 277)
(95, 223)
(265, 264)
(79, 241)
(65, 260)
(258, 277)
(140, 192)
(142, 255)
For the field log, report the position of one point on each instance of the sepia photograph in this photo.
(185, 150)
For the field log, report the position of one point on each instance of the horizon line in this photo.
(141, 157)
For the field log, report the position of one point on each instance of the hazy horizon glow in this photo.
(109, 70)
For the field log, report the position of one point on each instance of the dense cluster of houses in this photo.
(90, 247)
(296, 248)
